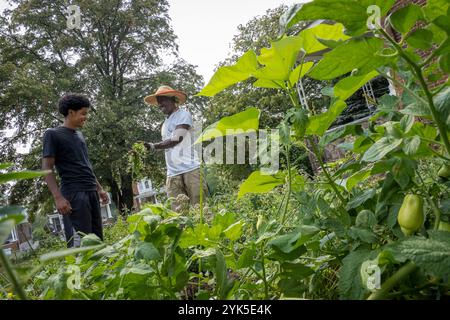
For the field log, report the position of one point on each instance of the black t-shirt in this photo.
(68, 147)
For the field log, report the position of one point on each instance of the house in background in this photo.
(21, 237)
(144, 192)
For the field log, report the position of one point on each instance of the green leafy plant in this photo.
(391, 149)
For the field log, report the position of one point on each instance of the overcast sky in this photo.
(205, 28)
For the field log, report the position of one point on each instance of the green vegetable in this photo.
(260, 222)
(136, 158)
(410, 217)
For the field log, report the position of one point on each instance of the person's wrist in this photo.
(58, 197)
(150, 146)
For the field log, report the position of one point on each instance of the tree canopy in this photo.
(115, 58)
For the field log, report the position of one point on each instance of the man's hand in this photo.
(63, 206)
(150, 146)
(103, 196)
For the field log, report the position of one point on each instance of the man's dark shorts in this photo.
(85, 216)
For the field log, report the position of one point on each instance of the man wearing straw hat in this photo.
(183, 164)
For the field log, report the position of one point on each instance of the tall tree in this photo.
(115, 58)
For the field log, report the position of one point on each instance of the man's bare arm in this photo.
(102, 193)
(169, 143)
(62, 205)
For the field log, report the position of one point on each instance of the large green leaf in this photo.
(310, 37)
(320, 123)
(147, 251)
(199, 235)
(381, 148)
(443, 22)
(280, 58)
(234, 231)
(350, 284)
(417, 109)
(411, 145)
(435, 8)
(346, 87)
(5, 165)
(420, 39)
(299, 72)
(223, 283)
(247, 258)
(432, 254)
(442, 103)
(359, 53)
(363, 234)
(286, 244)
(351, 13)
(271, 84)
(361, 198)
(356, 178)
(405, 18)
(295, 271)
(5, 177)
(432, 10)
(227, 76)
(259, 183)
(69, 252)
(241, 122)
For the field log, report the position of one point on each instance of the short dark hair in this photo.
(73, 101)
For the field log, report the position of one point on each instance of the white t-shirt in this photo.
(182, 158)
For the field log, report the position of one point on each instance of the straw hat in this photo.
(167, 92)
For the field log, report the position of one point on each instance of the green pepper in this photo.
(411, 217)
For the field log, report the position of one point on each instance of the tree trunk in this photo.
(315, 165)
(126, 199)
(123, 197)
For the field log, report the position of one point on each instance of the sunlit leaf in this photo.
(244, 121)
(227, 76)
(360, 54)
(351, 13)
(320, 123)
(259, 183)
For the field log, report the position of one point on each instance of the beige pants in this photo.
(188, 184)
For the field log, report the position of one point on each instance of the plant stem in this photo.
(12, 276)
(201, 193)
(289, 184)
(411, 92)
(201, 221)
(327, 174)
(397, 277)
(266, 286)
(433, 205)
(418, 72)
(163, 285)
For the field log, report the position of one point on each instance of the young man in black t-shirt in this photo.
(64, 147)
